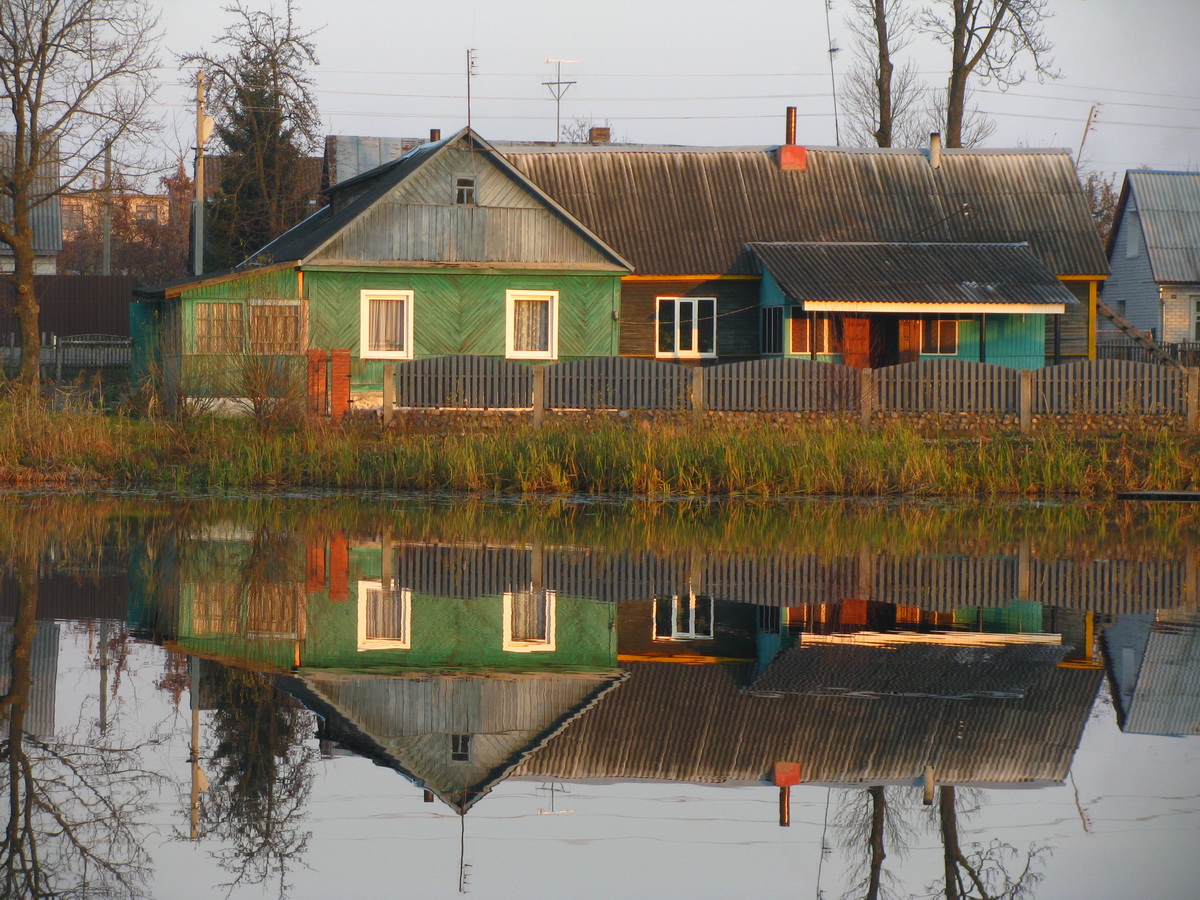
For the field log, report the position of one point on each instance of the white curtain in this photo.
(387, 325)
(531, 326)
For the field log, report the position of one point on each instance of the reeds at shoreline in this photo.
(758, 458)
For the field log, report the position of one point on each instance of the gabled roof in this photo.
(1168, 206)
(951, 275)
(353, 198)
(406, 721)
(691, 210)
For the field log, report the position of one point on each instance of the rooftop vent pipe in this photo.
(935, 149)
(791, 158)
(435, 135)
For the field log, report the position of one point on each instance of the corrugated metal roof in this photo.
(1156, 671)
(674, 210)
(1168, 204)
(46, 217)
(944, 274)
(693, 723)
(927, 670)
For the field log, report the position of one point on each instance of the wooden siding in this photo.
(737, 314)
(420, 221)
(463, 312)
(1132, 282)
(1074, 325)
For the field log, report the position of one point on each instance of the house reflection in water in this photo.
(1154, 666)
(460, 665)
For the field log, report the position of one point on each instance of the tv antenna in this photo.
(834, 50)
(471, 63)
(558, 88)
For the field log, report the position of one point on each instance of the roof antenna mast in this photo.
(834, 49)
(470, 72)
(558, 88)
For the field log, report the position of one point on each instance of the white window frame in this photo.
(510, 298)
(512, 645)
(926, 323)
(404, 598)
(364, 324)
(471, 189)
(820, 325)
(694, 353)
(687, 604)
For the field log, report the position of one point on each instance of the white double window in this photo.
(385, 324)
(687, 327)
(384, 614)
(531, 324)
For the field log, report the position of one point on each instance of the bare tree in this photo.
(883, 106)
(1103, 194)
(75, 81)
(986, 39)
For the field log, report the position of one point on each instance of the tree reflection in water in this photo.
(995, 871)
(262, 776)
(74, 803)
(870, 822)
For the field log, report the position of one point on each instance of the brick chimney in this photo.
(599, 134)
(791, 158)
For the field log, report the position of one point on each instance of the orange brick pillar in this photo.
(318, 382)
(339, 568)
(339, 387)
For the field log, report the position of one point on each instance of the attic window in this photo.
(460, 747)
(464, 190)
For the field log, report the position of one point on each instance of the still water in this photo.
(378, 697)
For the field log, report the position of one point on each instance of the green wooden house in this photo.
(447, 250)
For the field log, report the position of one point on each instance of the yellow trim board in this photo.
(691, 278)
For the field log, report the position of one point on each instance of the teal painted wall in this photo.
(463, 312)
(1017, 341)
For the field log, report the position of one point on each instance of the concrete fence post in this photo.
(1025, 401)
(1193, 398)
(698, 393)
(867, 399)
(57, 359)
(389, 393)
(539, 395)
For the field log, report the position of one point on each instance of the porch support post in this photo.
(1057, 339)
(983, 337)
(812, 336)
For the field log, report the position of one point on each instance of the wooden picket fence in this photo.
(1106, 387)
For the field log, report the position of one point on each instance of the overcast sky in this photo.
(709, 72)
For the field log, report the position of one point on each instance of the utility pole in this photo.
(204, 128)
(558, 88)
(1087, 129)
(106, 215)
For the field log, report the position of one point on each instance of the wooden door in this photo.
(910, 340)
(856, 342)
